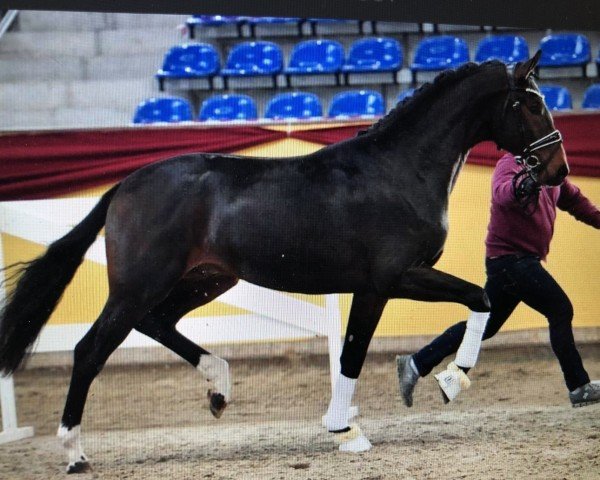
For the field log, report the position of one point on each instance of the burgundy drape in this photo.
(49, 164)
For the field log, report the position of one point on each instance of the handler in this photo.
(518, 239)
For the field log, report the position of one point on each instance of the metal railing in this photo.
(6, 20)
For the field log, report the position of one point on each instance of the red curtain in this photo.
(49, 164)
(43, 165)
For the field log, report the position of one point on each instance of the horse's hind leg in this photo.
(159, 324)
(108, 332)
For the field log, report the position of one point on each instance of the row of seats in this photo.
(556, 97)
(292, 105)
(368, 55)
(310, 26)
(311, 57)
(199, 21)
(301, 105)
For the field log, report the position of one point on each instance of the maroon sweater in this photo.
(512, 231)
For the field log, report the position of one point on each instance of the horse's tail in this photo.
(39, 285)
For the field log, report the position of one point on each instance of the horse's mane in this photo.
(405, 109)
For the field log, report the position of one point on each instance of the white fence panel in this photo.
(273, 315)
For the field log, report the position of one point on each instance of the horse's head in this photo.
(523, 126)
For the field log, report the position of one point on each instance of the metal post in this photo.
(10, 432)
(6, 21)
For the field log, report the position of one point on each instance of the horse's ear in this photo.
(524, 69)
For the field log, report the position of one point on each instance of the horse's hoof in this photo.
(359, 444)
(217, 403)
(444, 396)
(352, 440)
(452, 381)
(79, 467)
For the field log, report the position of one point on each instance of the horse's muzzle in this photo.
(556, 170)
(562, 173)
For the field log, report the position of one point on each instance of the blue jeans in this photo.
(512, 279)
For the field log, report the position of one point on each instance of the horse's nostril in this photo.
(563, 171)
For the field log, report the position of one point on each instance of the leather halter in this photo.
(527, 157)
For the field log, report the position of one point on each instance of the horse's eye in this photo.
(536, 107)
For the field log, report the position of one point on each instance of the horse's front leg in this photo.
(365, 313)
(428, 284)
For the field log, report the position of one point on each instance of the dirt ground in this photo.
(152, 422)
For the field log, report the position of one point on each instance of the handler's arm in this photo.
(571, 200)
(503, 192)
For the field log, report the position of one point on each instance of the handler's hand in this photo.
(527, 188)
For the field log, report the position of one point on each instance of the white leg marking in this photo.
(216, 371)
(71, 441)
(467, 353)
(336, 417)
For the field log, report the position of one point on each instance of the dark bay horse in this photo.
(366, 216)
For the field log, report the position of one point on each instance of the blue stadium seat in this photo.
(228, 107)
(272, 20)
(163, 109)
(315, 57)
(556, 97)
(591, 97)
(212, 21)
(371, 55)
(294, 105)
(565, 50)
(357, 103)
(439, 53)
(199, 60)
(405, 94)
(327, 20)
(251, 59)
(506, 48)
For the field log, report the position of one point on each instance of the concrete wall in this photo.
(70, 70)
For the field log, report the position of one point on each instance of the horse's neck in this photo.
(460, 116)
(448, 126)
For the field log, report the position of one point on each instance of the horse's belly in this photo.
(305, 265)
(310, 283)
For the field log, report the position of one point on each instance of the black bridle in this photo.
(528, 158)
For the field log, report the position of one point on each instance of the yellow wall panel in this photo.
(86, 294)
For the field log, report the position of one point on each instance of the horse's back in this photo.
(311, 224)
(262, 220)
